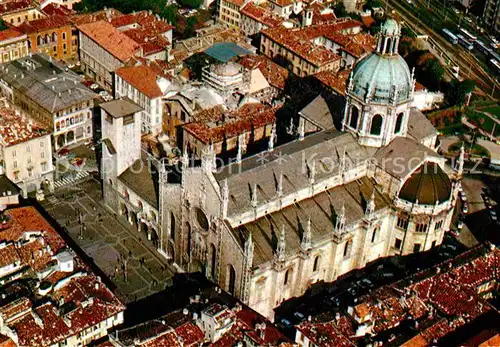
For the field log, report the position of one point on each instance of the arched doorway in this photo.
(231, 279)
(172, 226)
(133, 220)
(353, 122)
(154, 238)
(376, 127)
(143, 227)
(61, 141)
(197, 266)
(399, 123)
(70, 137)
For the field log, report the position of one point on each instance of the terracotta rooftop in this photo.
(143, 78)
(246, 118)
(14, 6)
(111, 39)
(74, 300)
(53, 9)
(43, 24)
(146, 29)
(275, 74)
(335, 80)
(104, 15)
(261, 15)
(238, 3)
(436, 301)
(10, 33)
(282, 3)
(15, 128)
(297, 42)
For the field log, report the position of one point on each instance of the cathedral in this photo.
(267, 226)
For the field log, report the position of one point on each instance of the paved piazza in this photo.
(122, 252)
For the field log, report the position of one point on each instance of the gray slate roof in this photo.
(46, 82)
(142, 182)
(419, 127)
(325, 148)
(322, 209)
(402, 156)
(120, 108)
(318, 113)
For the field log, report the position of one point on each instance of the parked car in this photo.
(493, 215)
(463, 196)
(286, 323)
(299, 316)
(455, 232)
(460, 225)
(94, 86)
(465, 208)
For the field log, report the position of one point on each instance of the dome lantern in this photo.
(388, 39)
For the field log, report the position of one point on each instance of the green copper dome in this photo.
(377, 74)
(390, 27)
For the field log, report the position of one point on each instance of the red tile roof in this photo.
(44, 24)
(56, 9)
(15, 128)
(105, 15)
(143, 78)
(275, 74)
(49, 323)
(14, 6)
(10, 33)
(246, 118)
(335, 80)
(111, 39)
(261, 15)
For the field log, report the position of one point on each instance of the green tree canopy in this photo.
(458, 91)
(190, 3)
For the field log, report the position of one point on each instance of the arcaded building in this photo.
(266, 227)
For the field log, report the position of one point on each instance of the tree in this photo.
(190, 3)
(190, 27)
(340, 10)
(458, 91)
(170, 13)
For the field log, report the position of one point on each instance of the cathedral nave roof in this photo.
(322, 210)
(325, 149)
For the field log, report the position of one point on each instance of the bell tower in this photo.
(380, 92)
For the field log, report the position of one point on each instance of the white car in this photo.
(465, 209)
(456, 11)
(71, 66)
(460, 225)
(94, 86)
(493, 215)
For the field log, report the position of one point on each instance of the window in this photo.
(172, 226)
(402, 223)
(14, 154)
(28, 149)
(376, 127)
(44, 167)
(30, 172)
(29, 160)
(231, 279)
(397, 243)
(42, 144)
(287, 275)
(421, 228)
(16, 176)
(416, 248)
(374, 235)
(438, 225)
(15, 164)
(42, 155)
(64, 36)
(347, 249)
(353, 122)
(399, 123)
(316, 263)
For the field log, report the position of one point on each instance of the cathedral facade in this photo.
(268, 226)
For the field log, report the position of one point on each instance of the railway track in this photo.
(454, 55)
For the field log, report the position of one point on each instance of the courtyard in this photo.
(123, 253)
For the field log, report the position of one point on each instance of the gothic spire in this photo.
(306, 236)
(280, 249)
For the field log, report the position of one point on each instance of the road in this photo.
(454, 54)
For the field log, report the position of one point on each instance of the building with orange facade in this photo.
(52, 36)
